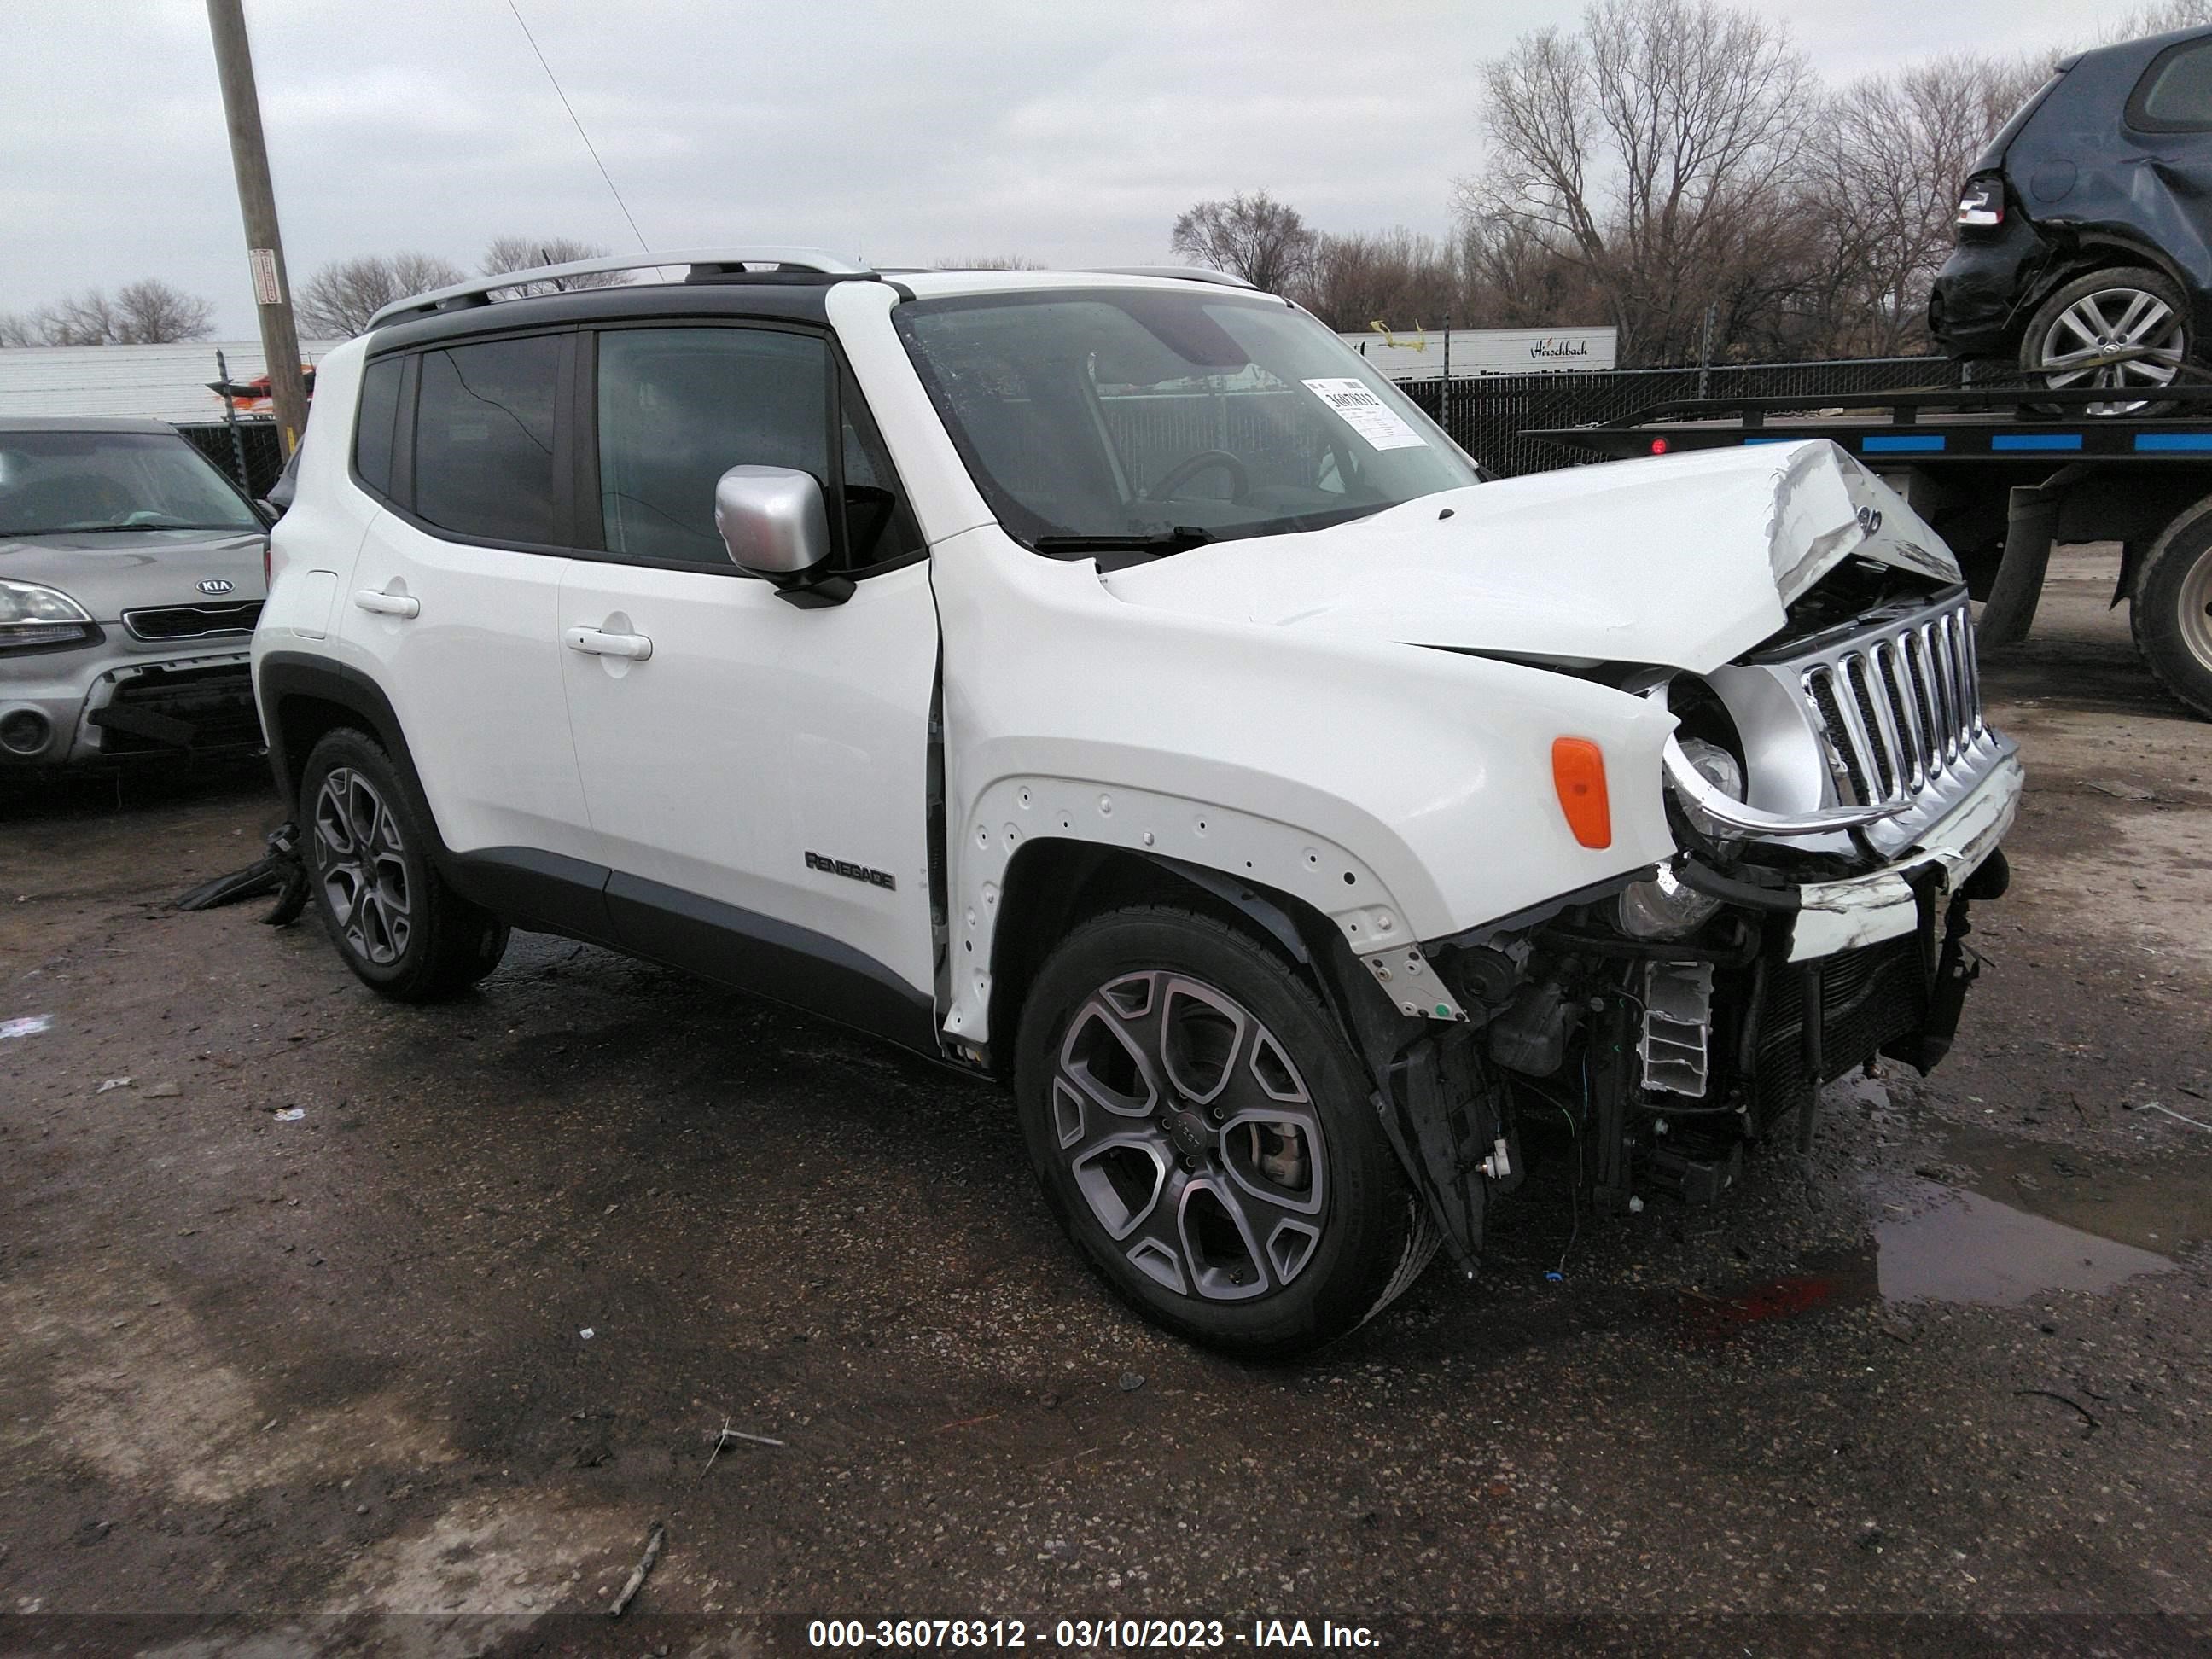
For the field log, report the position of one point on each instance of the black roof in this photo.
(766, 296)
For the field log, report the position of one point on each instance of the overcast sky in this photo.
(1070, 132)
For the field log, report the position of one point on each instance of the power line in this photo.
(580, 133)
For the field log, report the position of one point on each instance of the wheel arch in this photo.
(2093, 251)
(1066, 840)
(304, 698)
(1053, 884)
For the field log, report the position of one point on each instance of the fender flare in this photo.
(1225, 849)
(284, 676)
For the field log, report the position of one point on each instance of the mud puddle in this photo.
(1938, 1243)
(1987, 1218)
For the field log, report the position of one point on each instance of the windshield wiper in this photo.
(1160, 542)
(117, 529)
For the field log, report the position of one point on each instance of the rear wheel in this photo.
(2126, 328)
(1201, 1129)
(397, 925)
(2171, 614)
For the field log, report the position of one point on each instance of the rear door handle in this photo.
(591, 641)
(388, 604)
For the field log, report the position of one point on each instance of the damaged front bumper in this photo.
(1826, 917)
(88, 708)
(1670, 1055)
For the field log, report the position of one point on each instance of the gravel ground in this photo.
(321, 1310)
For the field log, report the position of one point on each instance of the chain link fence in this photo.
(263, 455)
(1488, 415)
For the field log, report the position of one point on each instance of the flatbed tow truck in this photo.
(2003, 473)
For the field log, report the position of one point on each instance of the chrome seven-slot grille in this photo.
(1900, 704)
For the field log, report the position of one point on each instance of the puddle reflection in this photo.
(1941, 1243)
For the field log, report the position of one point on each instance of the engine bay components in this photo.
(1678, 1015)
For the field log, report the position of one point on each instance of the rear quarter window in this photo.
(374, 427)
(2175, 93)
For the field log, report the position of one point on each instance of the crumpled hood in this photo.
(109, 572)
(1686, 562)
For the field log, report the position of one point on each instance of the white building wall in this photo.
(1422, 353)
(148, 382)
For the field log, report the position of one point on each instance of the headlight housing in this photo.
(32, 617)
(1721, 770)
(1664, 908)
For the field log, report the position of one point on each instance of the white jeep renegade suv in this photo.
(1104, 680)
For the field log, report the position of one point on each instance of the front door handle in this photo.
(591, 641)
(388, 604)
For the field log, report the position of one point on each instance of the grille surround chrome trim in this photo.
(1915, 674)
(231, 617)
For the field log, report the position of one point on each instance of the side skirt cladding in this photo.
(741, 949)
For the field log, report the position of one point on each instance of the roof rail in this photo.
(478, 290)
(1189, 273)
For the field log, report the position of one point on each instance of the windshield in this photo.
(1121, 415)
(56, 481)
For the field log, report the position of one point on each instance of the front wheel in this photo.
(1202, 1130)
(2171, 613)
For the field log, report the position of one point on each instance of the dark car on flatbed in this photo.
(2085, 230)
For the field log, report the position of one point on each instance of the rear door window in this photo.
(484, 439)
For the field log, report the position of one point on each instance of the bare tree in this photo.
(339, 299)
(2157, 19)
(150, 311)
(988, 262)
(507, 253)
(1263, 240)
(1512, 277)
(80, 319)
(1655, 149)
(1395, 277)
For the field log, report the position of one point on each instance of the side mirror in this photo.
(773, 520)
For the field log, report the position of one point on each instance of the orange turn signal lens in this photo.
(1578, 774)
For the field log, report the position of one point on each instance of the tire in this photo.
(1202, 1130)
(365, 837)
(2131, 306)
(2171, 613)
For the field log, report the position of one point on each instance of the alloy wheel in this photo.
(362, 866)
(2123, 338)
(1191, 1137)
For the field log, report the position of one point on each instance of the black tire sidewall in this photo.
(1369, 1216)
(2154, 609)
(452, 943)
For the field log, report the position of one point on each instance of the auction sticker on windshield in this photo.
(1367, 414)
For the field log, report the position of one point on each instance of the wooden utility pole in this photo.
(256, 202)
